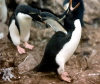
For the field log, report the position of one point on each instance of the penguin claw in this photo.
(28, 46)
(20, 50)
(64, 77)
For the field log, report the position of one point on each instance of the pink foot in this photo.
(64, 77)
(20, 50)
(28, 46)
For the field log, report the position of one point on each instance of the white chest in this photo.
(69, 48)
(24, 21)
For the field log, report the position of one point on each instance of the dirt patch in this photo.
(83, 67)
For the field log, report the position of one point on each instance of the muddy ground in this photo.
(83, 67)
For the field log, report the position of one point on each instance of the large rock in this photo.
(92, 9)
(28, 64)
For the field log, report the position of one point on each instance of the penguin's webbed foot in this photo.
(20, 50)
(65, 77)
(28, 46)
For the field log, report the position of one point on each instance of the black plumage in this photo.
(54, 45)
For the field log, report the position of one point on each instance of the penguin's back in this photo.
(26, 9)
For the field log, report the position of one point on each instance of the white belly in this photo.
(69, 48)
(25, 24)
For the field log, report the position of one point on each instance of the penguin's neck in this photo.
(77, 25)
(76, 33)
(70, 27)
(71, 45)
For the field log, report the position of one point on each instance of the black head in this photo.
(69, 20)
(78, 13)
(71, 8)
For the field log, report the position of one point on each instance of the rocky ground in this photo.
(83, 67)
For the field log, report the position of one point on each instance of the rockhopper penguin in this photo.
(20, 24)
(61, 46)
